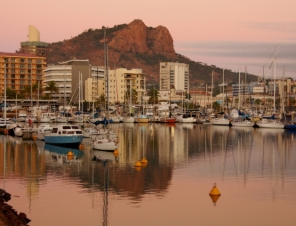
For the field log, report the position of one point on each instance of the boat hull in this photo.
(63, 140)
(290, 126)
(243, 124)
(273, 125)
(220, 122)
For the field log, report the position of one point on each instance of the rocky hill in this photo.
(134, 45)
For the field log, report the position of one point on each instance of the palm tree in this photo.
(52, 88)
(153, 93)
(134, 96)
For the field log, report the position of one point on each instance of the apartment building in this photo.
(174, 74)
(119, 83)
(73, 77)
(20, 70)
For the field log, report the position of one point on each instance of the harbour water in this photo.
(254, 169)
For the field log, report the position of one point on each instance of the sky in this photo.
(236, 35)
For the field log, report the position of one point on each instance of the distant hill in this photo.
(135, 45)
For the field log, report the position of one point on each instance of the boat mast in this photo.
(64, 88)
(212, 92)
(5, 96)
(79, 92)
(223, 92)
(274, 75)
(239, 90)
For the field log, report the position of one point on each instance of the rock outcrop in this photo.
(138, 38)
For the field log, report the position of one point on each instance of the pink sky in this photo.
(228, 34)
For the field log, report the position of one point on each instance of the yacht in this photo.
(64, 135)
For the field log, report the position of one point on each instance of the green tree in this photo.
(134, 96)
(10, 94)
(153, 96)
(52, 88)
(102, 100)
(216, 105)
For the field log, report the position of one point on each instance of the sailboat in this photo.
(272, 122)
(129, 118)
(221, 121)
(79, 118)
(105, 144)
(241, 120)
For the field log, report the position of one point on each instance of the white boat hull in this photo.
(270, 124)
(243, 124)
(220, 122)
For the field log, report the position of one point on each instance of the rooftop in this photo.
(19, 55)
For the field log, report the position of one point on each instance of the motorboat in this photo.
(64, 135)
(104, 144)
(42, 130)
(185, 118)
(14, 129)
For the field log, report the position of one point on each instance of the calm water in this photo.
(255, 171)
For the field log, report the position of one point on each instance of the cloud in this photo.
(288, 27)
(232, 54)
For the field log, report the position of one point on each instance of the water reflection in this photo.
(180, 153)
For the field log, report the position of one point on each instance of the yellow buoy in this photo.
(138, 164)
(144, 160)
(144, 164)
(116, 153)
(215, 199)
(138, 168)
(70, 155)
(34, 136)
(215, 190)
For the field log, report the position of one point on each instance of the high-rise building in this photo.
(120, 81)
(174, 74)
(73, 77)
(20, 70)
(34, 45)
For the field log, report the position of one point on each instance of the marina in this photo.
(253, 168)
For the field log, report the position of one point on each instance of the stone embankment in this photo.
(9, 216)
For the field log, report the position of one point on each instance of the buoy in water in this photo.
(144, 160)
(138, 168)
(70, 155)
(215, 191)
(215, 199)
(116, 153)
(138, 164)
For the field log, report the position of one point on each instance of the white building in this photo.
(66, 77)
(120, 80)
(174, 74)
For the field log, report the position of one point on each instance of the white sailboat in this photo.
(271, 123)
(221, 121)
(129, 118)
(105, 144)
